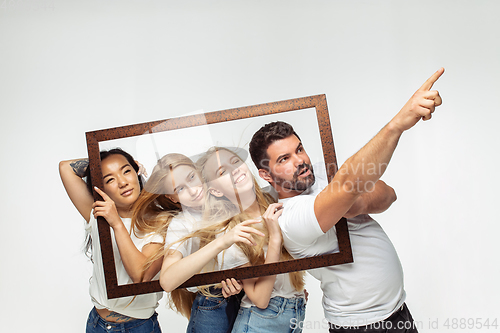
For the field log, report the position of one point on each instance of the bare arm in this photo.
(259, 289)
(71, 173)
(378, 200)
(350, 181)
(176, 270)
(133, 259)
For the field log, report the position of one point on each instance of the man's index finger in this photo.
(430, 81)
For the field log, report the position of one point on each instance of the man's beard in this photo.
(296, 184)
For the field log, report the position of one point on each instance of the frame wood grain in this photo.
(318, 102)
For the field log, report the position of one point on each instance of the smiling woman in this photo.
(171, 205)
(121, 185)
(227, 176)
(234, 200)
(121, 189)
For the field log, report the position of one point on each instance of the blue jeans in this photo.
(95, 324)
(208, 315)
(281, 315)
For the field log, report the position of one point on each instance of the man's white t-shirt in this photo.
(360, 293)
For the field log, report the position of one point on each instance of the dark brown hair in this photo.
(264, 137)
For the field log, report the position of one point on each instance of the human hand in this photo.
(270, 218)
(142, 170)
(420, 106)
(231, 287)
(106, 209)
(241, 233)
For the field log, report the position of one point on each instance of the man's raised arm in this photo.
(352, 180)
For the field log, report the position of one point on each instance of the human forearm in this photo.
(378, 200)
(361, 171)
(366, 166)
(357, 176)
(78, 166)
(176, 271)
(132, 258)
(71, 173)
(259, 289)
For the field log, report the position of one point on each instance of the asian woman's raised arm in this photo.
(72, 172)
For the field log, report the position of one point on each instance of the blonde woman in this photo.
(235, 204)
(171, 204)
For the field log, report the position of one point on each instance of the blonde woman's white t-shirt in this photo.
(184, 224)
(234, 257)
(181, 226)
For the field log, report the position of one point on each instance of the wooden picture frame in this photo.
(316, 103)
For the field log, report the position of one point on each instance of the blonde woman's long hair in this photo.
(153, 211)
(221, 215)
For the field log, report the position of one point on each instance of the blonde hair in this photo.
(221, 215)
(153, 211)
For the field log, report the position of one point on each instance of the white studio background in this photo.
(67, 67)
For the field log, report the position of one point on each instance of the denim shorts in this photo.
(96, 324)
(208, 315)
(281, 315)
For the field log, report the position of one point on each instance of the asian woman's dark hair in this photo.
(107, 153)
(87, 248)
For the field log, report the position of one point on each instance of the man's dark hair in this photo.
(264, 137)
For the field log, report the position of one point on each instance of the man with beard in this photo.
(366, 295)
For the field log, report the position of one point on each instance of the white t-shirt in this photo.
(181, 226)
(360, 293)
(184, 224)
(234, 257)
(143, 306)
